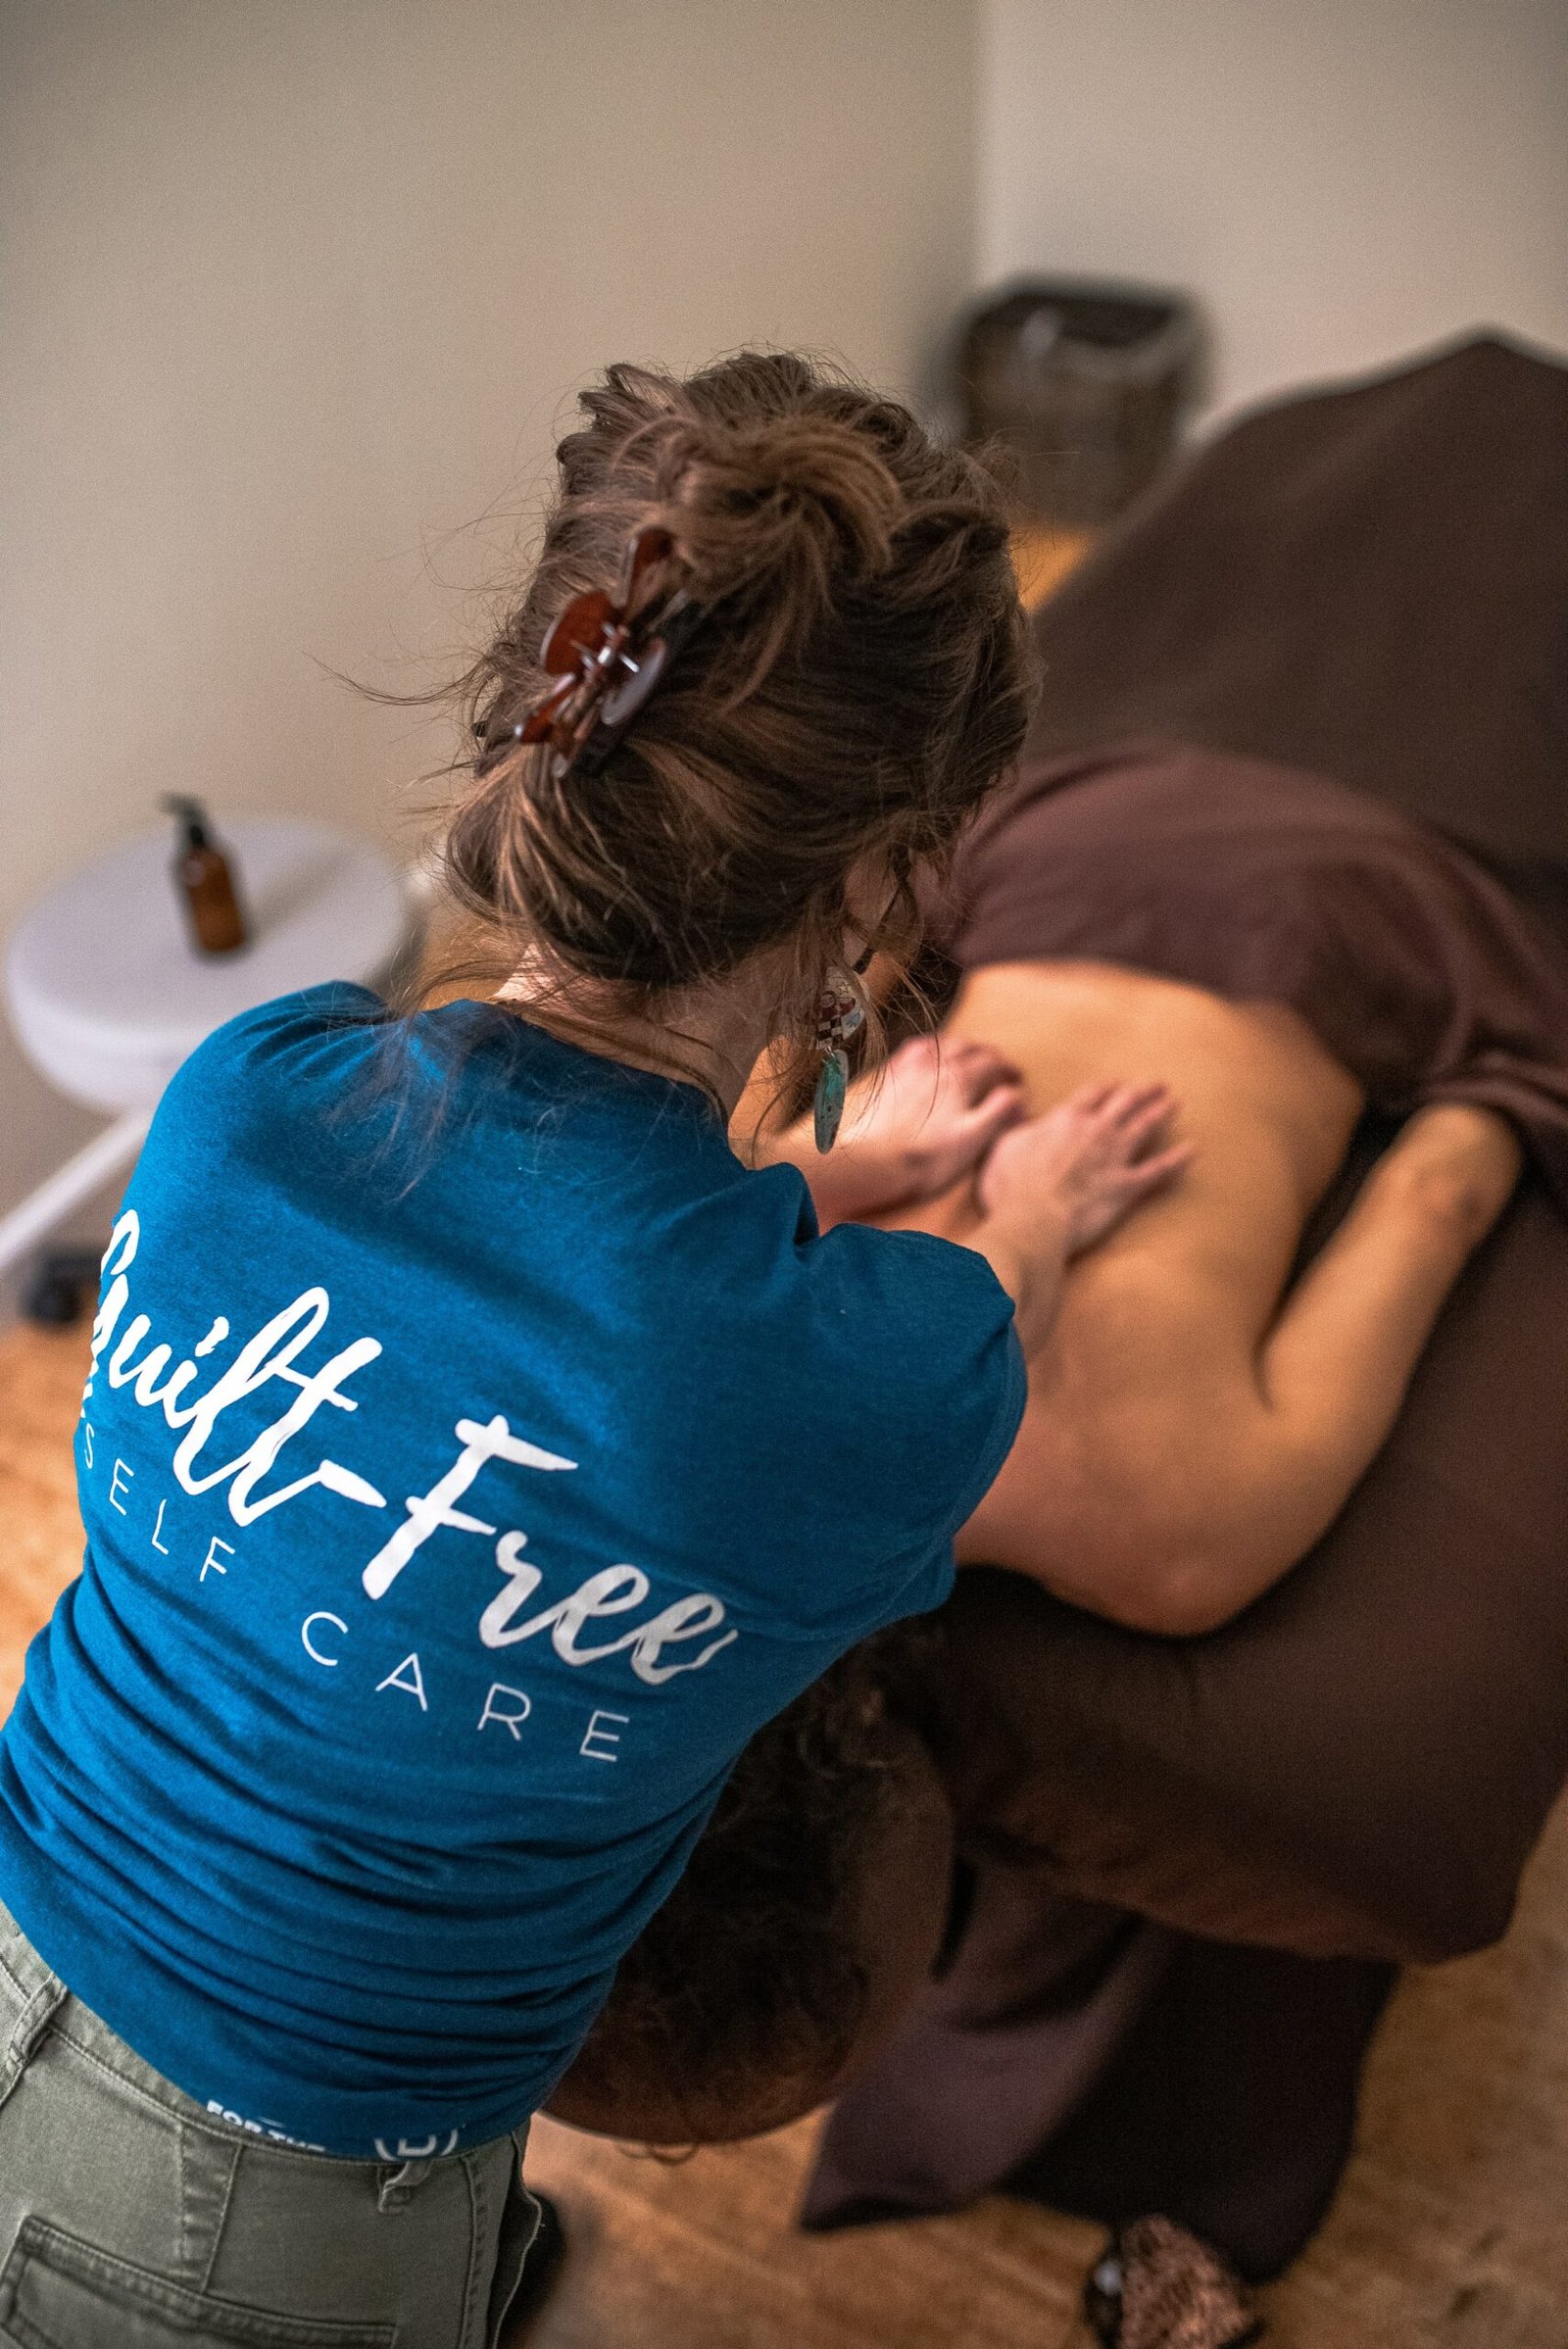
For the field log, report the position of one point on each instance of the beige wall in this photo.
(293, 295)
(1340, 181)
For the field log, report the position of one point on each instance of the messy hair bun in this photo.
(858, 682)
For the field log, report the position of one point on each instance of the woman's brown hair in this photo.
(859, 680)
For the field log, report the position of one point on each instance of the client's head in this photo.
(810, 1911)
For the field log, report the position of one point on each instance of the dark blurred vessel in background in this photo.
(1086, 384)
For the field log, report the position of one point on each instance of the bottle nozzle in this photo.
(192, 815)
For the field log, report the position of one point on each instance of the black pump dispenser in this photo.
(192, 817)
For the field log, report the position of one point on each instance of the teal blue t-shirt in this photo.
(475, 1455)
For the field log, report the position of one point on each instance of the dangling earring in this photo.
(840, 1012)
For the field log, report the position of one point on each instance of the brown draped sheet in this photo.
(1418, 970)
(1370, 582)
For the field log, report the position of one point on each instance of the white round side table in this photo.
(108, 996)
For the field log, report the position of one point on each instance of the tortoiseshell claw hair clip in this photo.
(607, 654)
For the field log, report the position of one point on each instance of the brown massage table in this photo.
(1331, 649)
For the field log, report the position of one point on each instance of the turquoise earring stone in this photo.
(827, 1107)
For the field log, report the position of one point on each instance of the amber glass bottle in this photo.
(206, 883)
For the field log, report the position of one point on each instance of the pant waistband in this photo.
(31, 1997)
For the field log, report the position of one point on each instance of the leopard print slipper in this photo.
(1155, 2287)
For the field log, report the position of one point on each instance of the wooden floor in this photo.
(1451, 2231)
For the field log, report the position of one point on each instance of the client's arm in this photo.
(1336, 1366)
(1334, 1370)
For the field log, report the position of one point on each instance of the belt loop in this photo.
(28, 2031)
(396, 2188)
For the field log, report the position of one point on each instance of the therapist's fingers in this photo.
(1116, 1097)
(1130, 1119)
(1108, 1105)
(975, 1069)
(1146, 1175)
(978, 1128)
(1129, 1101)
(1143, 1121)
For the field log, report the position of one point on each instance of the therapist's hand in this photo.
(1083, 1166)
(925, 1120)
(1055, 1185)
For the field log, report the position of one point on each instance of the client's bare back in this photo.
(1193, 1430)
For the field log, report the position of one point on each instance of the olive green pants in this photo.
(132, 2218)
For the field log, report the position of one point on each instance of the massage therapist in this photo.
(477, 1451)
